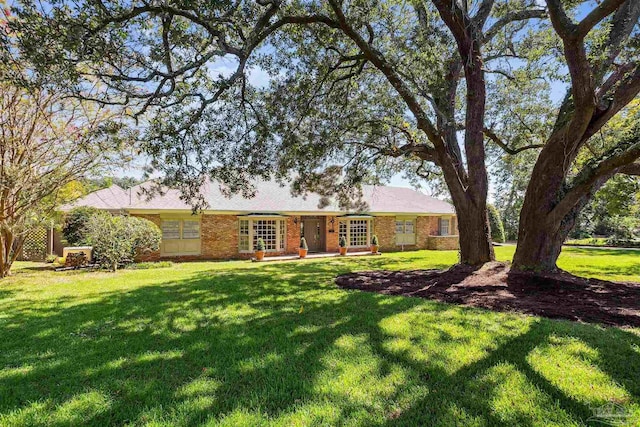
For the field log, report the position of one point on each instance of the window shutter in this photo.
(439, 227)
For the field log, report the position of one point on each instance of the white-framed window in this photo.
(282, 235)
(357, 232)
(342, 229)
(180, 229)
(405, 231)
(243, 239)
(266, 230)
(272, 231)
(444, 226)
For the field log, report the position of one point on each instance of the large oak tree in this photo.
(425, 75)
(604, 78)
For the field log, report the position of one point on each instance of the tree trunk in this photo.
(541, 232)
(538, 248)
(474, 234)
(540, 242)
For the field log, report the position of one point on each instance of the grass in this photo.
(603, 241)
(589, 241)
(239, 343)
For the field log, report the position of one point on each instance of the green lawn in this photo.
(236, 343)
(589, 241)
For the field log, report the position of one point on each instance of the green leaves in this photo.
(116, 240)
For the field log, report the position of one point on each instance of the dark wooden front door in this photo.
(313, 232)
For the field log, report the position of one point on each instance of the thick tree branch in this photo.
(631, 169)
(623, 22)
(601, 11)
(596, 173)
(563, 25)
(626, 91)
(484, 11)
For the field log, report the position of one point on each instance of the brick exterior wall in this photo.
(443, 243)
(332, 238)
(430, 226)
(219, 237)
(426, 231)
(293, 237)
(385, 228)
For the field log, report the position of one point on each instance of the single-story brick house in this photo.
(402, 218)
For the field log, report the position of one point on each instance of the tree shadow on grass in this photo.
(6, 293)
(271, 340)
(478, 388)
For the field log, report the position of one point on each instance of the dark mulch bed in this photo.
(559, 295)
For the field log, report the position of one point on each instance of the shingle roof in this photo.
(271, 197)
(110, 198)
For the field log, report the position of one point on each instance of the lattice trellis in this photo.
(35, 245)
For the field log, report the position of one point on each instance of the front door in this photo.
(313, 232)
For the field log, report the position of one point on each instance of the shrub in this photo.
(624, 227)
(303, 243)
(623, 243)
(342, 242)
(495, 222)
(51, 258)
(145, 235)
(75, 222)
(260, 245)
(374, 240)
(117, 239)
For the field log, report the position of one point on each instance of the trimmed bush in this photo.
(374, 240)
(260, 245)
(75, 222)
(495, 222)
(303, 243)
(342, 242)
(116, 240)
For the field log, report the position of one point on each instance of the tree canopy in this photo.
(361, 90)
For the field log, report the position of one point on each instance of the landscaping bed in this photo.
(495, 287)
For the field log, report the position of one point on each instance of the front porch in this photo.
(322, 232)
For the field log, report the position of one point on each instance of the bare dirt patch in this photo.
(494, 286)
